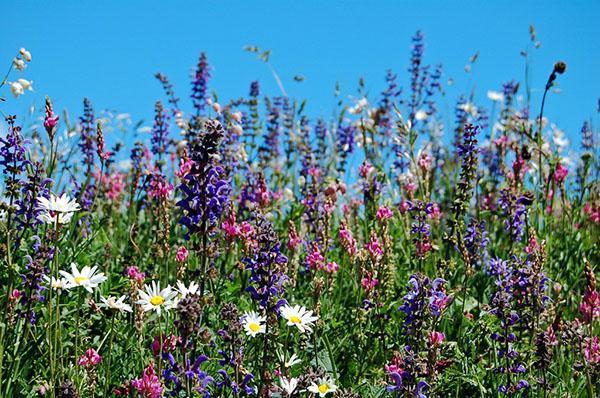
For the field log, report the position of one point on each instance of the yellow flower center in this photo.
(157, 300)
(295, 319)
(254, 326)
(79, 279)
(323, 388)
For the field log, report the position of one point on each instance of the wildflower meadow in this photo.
(244, 247)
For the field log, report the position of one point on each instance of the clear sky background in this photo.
(109, 50)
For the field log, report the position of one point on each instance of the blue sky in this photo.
(109, 50)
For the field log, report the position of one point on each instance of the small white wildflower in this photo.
(360, 105)
(421, 115)
(25, 54)
(19, 64)
(16, 89)
(185, 291)
(114, 303)
(288, 385)
(237, 116)
(56, 284)
(237, 129)
(294, 360)
(469, 108)
(495, 96)
(27, 84)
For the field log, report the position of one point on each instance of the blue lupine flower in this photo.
(200, 85)
(87, 138)
(476, 241)
(27, 209)
(266, 265)
(12, 158)
(205, 191)
(160, 133)
(422, 294)
(386, 104)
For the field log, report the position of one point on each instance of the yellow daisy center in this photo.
(323, 388)
(295, 319)
(79, 279)
(157, 300)
(254, 326)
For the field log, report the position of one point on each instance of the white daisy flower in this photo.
(57, 209)
(185, 291)
(495, 96)
(299, 317)
(114, 303)
(322, 387)
(56, 284)
(153, 298)
(253, 323)
(288, 385)
(86, 278)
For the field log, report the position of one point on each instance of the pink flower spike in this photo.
(134, 273)
(15, 295)
(332, 267)
(560, 174)
(365, 169)
(185, 166)
(89, 359)
(315, 259)
(374, 248)
(182, 254)
(229, 226)
(149, 385)
(384, 213)
(436, 338)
